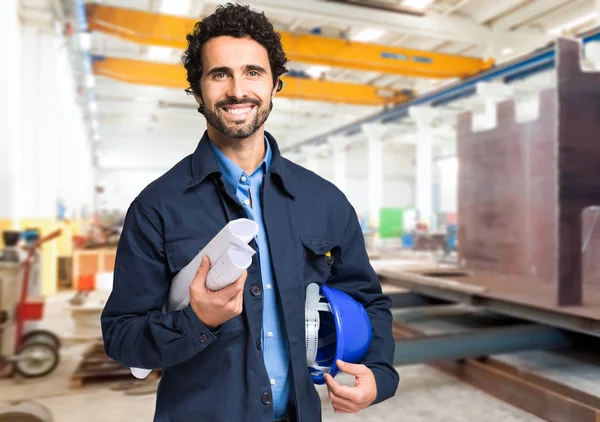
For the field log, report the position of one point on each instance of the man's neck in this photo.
(246, 153)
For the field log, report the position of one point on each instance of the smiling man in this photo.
(240, 354)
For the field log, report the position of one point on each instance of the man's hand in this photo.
(347, 399)
(215, 308)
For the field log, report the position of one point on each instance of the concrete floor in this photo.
(423, 395)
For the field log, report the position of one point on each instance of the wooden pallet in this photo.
(96, 368)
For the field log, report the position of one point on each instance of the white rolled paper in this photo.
(228, 268)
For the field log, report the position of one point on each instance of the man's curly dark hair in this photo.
(234, 20)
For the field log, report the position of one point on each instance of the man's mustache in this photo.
(237, 101)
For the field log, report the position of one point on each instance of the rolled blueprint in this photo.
(229, 255)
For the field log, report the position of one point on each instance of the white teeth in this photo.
(238, 110)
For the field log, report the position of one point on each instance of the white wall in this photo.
(10, 116)
(122, 186)
(398, 180)
(49, 157)
(124, 172)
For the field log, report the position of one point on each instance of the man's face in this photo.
(237, 85)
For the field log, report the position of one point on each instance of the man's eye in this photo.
(220, 75)
(254, 73)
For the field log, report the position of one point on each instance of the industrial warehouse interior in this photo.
(465, 134)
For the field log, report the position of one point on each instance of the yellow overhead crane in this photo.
(170, 31)
(174, 76)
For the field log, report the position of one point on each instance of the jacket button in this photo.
(266, 398)
(203, 338)
(258, 345)
(255, 290)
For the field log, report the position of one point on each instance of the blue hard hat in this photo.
(344, 332)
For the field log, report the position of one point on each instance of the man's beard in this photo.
(238, 129)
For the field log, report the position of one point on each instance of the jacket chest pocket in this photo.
(179, 254)
(318, 258)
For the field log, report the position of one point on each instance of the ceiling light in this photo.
(417, 4)
(573, 24)
(368, 35)
(506, 51)
(156, 52)
(175, 7)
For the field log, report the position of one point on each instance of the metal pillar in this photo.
(311, 159)
(374, 133)
(339, 145)
(424, 117)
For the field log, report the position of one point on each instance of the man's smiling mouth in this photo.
(239, 110)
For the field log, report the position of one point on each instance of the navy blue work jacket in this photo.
(220, 376)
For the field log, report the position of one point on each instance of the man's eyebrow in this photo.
(222, 69)
(255, 67)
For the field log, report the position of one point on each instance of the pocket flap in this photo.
(182, 252)
(320, 246)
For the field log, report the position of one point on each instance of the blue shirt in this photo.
(247, 188)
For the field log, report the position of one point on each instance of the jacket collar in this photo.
(204, 164)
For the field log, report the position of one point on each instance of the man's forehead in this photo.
(226, 47)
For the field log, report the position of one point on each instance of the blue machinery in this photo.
(514, 70)
(453, 332)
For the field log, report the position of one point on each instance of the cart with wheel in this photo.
(36, 352)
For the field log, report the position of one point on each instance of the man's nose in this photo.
(238, 88)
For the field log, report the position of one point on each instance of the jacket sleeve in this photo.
(355, 276)
(136, 332)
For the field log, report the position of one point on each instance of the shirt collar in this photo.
(204, 163)
(232, 173)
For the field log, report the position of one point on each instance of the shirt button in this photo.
(246, 202)
(269, 286)
(244, 178)
(266, 398)
(270, 334)
(258, 345)
(255, 290)
(203, 338)
(272, 382)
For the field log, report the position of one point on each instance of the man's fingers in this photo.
(352, 369)
(340, 400)
(234, 289)
(343, 409)
(342, 405)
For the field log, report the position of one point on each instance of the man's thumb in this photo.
(202, 271)
(350, 368)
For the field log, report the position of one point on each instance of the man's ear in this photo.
(278, 86)
(198, 99)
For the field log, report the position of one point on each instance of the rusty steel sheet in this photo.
(523, 187)
(578, 162)
(529, 299)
